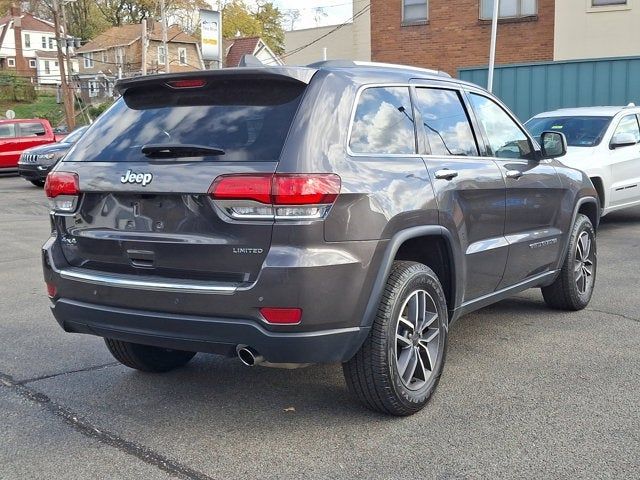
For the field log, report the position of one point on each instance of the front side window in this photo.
(628, 125)
(506, 139)
(509, 9)
(32, 129)
(383, 123)
(415, 11)
(445, 122)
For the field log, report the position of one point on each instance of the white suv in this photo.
(604, 142)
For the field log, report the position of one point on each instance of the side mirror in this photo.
(622, 140)
(554, 144)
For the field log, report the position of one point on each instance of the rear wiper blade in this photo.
(179, 150)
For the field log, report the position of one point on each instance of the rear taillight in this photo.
(187, 83)
(62, 189)
(282, 316)
(280, 196)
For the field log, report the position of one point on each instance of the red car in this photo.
(18, 135)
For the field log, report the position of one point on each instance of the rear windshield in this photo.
(247, 119)
(580, 131)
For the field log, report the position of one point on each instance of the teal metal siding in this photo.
(532, 88)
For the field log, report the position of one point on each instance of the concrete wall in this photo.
(351, 42)
(582, 31)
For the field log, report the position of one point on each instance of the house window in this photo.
(88, 60)
(47, 67)
(32, 63)
(104, 57)
(11, 62)
(601, 3)
(120, 56)
(162, 57)
(44, 42)
(93, 88)
(27, 40)
(415, 11)
(509, 9)
(182, 56)
(50, 43)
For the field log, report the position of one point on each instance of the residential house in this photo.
(236, 48)
(349, 41)
(28, 48)
(118, 52)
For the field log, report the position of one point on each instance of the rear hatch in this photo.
(145, 169)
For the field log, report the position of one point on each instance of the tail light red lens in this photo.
(283, 196)
(282, 316)
(62, 189)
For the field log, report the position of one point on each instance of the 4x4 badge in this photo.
(142, 178)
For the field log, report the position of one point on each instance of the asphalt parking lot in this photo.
(526, 391)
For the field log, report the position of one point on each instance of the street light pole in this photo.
(65, 33)
(66, 94)
(492, 48)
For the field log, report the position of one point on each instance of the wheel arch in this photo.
(598, 183)
(444, 259)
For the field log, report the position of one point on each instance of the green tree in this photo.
(266, 22)
(271, 19)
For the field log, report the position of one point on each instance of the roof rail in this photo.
(357, 63)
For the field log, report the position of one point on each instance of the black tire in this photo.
(38, 183)
(566, 292)
(373, 374)
(147, 358)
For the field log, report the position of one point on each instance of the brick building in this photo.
(452, 34)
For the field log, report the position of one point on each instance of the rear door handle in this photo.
(446, 174)
(515, 174)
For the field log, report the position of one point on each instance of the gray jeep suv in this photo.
(338, 212)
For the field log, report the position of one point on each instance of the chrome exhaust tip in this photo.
(248, 356)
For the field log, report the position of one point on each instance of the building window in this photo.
(601, 3)
(509, 9)
(27, 40)
(88, 60)
(47, 67)
(162, 58)
(93, 88)
(50, 43)
(182, 56)
(415, 11)
(120, 56)
(104, 57)
(11, 62)
(32, 63)
(44, 42)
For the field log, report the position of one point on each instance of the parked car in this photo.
(35, 163)
(18, 135)
(604, 143)
(340, 212)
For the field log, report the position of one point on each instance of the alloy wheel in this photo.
(417, 345)
(584, 263)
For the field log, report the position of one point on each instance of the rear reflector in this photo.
(51, 290)
(283, 316)
(62, 188)
(283, 196)
(187, 83)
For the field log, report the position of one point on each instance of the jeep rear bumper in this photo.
(213, 335)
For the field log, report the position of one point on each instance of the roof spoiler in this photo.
(351, 64)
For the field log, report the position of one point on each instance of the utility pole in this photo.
(163, 14)
(67, 98)
(65, 31)
(492, 48)
(143, 46)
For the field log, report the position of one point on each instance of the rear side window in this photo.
(383, 122)
(32, 129)
(8, 130)
(247, 118)
(445, 122)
